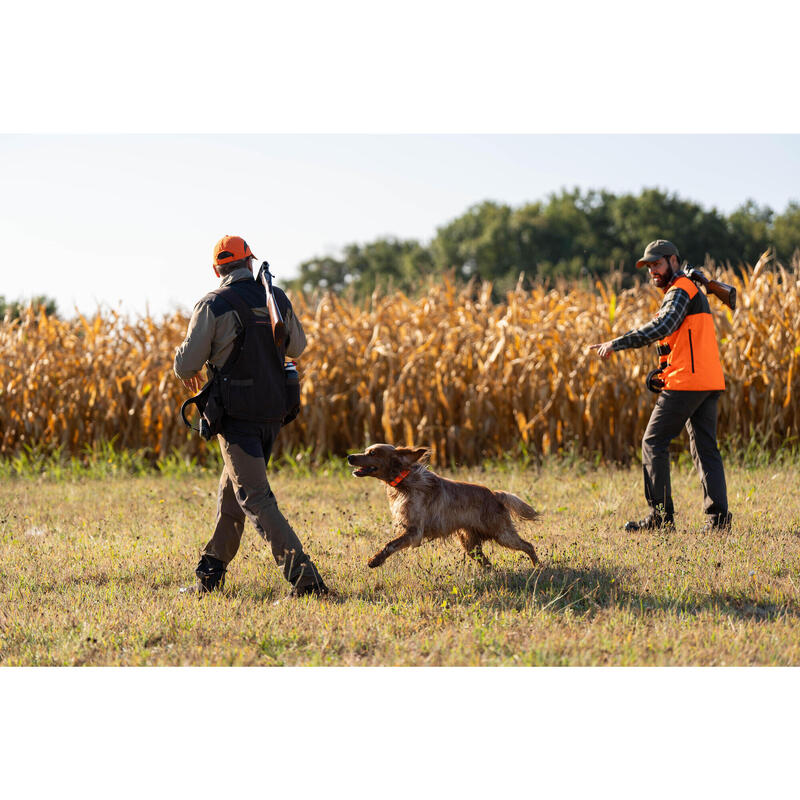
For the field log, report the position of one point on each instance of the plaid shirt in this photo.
(669, 319)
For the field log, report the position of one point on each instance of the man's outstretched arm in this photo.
(669, 319)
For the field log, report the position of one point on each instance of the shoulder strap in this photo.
(246, 316)
(231, 296)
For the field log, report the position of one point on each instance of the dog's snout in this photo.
(350, 459)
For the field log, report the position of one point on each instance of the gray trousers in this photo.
(244, 492)
(698, 412)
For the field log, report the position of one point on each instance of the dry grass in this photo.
(471, 378)
(89, 572)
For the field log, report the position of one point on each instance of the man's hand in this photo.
(604, 349)
(194, 384)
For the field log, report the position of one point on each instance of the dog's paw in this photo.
(375, 561)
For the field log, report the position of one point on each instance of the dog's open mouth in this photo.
(362, 472)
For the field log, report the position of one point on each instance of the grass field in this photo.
(90, 568)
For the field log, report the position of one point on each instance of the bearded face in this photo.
(661, 273)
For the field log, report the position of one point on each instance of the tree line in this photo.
(12, 309)
(568, 235)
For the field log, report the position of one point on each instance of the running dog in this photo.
(427, 506)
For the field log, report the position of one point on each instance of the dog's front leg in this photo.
(411, 538)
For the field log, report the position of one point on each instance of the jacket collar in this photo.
(240, 274)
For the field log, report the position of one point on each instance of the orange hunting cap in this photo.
(230, 248)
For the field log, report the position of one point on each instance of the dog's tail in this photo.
(517, 506)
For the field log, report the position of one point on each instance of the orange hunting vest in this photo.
(690, 356)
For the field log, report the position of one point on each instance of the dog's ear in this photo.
(422, 454)
(411, 454)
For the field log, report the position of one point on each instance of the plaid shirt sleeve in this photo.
(669, 319)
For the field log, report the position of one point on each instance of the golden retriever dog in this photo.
(426, 506)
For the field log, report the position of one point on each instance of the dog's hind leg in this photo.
(508, 537)
(411, 538)
(471, 542)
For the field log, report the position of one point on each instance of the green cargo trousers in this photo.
(244, 492)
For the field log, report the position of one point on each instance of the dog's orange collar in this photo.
(399, 478)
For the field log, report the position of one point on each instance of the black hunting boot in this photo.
(210, 576)
(315, 589)
(307, 580)
(318, 589)
(718, 523)
(654, 521)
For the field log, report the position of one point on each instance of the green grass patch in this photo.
(91, 560)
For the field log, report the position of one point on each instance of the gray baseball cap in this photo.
(660, 248)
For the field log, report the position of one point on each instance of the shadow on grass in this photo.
(557, 589)
(590, 590)
(271, 596)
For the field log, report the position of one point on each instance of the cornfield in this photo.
(469, 377)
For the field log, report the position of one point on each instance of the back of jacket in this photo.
(252, 380)
(255, 389)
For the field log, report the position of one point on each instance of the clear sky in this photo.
(129, 221)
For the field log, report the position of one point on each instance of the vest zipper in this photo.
(691, 349)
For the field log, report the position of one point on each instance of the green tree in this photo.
(324, 272)
(658, 215)
(401, 264)
(571, 233)
(785, 233)
(574, 234)
(479, 242)
(13, 308)
(750, 226)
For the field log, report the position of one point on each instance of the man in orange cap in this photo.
(689, 382)
(254, 401)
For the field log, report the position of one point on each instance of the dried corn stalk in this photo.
(453, 370)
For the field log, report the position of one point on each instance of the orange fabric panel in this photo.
(688, 286)
(693, 363)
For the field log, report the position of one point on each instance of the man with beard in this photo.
(689, 383)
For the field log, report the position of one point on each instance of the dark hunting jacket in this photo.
(214, 325)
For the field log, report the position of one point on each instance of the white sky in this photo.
(129, 221)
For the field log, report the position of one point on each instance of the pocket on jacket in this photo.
(239, 398)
